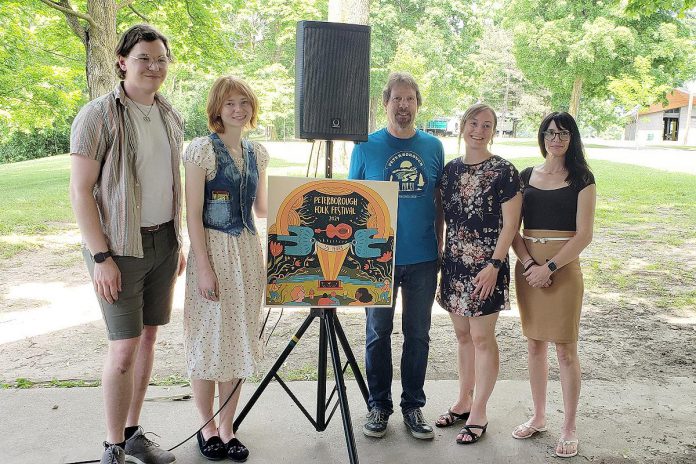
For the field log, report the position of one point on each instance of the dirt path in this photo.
(636, 329)
(51, 328)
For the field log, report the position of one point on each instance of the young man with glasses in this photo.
(125, 190)
(401, 153)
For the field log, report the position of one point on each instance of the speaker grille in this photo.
(332, 81)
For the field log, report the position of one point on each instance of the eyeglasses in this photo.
(563, 136)
(162, 62)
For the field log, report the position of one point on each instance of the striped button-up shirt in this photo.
(103, 131)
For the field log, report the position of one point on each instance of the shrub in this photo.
(38, 143)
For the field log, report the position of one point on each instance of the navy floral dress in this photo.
(472, 198)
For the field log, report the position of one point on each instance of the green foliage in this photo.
(557, 43)
(648, 7)
(638, 88)
(599, 116)
(42, 78)
(23, 383)
(431, 40)
(36, 143)
(71, 383)
(459, 52)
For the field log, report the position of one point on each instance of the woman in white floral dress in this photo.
(225, 186)
(481, 202)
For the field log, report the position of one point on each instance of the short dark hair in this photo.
(134, 35)
(575, 162)
(397, 78)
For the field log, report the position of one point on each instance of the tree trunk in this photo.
(575, 97)
(353, 12)
(349, 11)
(375, 105)
(100, 44)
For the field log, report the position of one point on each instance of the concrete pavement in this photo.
(618, 423)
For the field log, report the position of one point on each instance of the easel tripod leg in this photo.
(341, 388)
(352, 362)
(273, 371)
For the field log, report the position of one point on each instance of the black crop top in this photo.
(549, 209)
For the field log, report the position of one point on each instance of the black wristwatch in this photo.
(497, 263)
(101, 257)
(552, 266)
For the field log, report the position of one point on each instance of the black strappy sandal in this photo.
(213, 448)
(466, 431)
(450, 418)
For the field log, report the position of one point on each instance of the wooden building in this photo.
(665, 123)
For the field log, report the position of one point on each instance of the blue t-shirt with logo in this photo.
(416, 164)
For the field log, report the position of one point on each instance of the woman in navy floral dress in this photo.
(481, 202)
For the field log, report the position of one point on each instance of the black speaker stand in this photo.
(330, 333)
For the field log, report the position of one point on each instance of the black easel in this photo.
(330, 334)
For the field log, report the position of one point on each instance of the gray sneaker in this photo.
(113, 454)
(142, 450)
(416, 424)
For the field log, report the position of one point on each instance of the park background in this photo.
(604, 61)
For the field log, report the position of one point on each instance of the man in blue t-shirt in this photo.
(401, 153)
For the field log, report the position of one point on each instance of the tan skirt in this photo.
(550, 314)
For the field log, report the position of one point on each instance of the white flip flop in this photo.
(567, 443)
(527, 425)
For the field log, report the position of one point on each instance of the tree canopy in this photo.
(524, 57)
(577, 48)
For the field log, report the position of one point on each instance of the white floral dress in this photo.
(222, 337)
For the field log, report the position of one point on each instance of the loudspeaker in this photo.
(332, 81)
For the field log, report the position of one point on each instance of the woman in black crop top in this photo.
(558, 215)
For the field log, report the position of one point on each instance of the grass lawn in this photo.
(645, 218)
(644, 237)
(632, 199)
(34, 194)
(533, 143)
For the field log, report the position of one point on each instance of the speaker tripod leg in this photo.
(341, 387)
(351, 361)
(274, 370)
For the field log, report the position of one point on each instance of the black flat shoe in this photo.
(213, 448)
(236, 451)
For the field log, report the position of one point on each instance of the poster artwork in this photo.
(330, 242)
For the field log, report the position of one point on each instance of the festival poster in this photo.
(330, 242)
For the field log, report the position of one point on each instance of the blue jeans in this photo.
(417, 283)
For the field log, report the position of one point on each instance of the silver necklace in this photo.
(146, 116)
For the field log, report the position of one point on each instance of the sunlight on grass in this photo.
(641, 214)
(34, 194)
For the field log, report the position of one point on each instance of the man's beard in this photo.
(403, 122)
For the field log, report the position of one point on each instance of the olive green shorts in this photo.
(147, 285)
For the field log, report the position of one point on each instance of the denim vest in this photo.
(230, 195)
